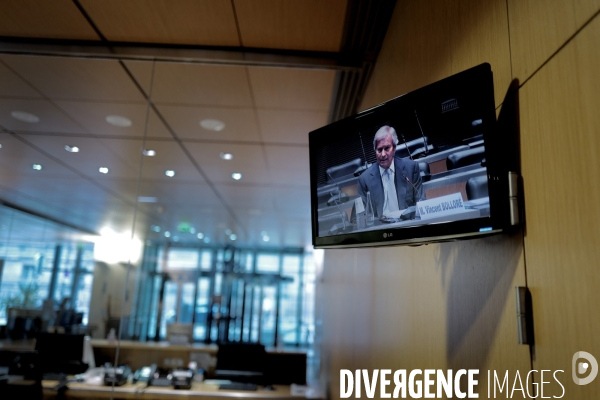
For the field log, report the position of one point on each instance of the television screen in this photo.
(414, 169)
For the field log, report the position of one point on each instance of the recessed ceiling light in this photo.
(176, 238)
(206, 240)
(237, 176)
(167, 234)
(25, 117)
(155, 228)
(228, 232)
(118, 120)
(227, 156)
(0, 146)
(192, 230)
(72, 149)
(149, 153)
(37, 167)
(266, 238)
(103, 170)
(233, 236)
(212, 124)
(200, 235)
(170, 173)
(147, 199)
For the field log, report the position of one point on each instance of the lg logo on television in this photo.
(581, 368)
(387, 235)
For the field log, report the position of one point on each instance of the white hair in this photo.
(382, 133)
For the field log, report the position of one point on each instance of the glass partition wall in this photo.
(225, 293)
(126, 216)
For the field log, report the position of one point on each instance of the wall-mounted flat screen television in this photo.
(426, 166)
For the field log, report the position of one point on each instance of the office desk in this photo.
(201, 391)
(378, 225)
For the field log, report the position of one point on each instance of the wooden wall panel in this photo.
(561, 171)
(425, 44)
(56, 19)
(539, 27)
(194, 22)
(312, 25)
(415, 52)
(445, 305)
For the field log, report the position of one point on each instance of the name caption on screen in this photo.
(441, 206)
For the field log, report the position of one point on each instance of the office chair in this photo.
(416, 148)
(477, 187)
(465, 157)
(424, 171)
(339, 171)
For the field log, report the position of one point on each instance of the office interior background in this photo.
(203, 79)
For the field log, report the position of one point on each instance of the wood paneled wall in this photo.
(560, 149)
(452, 305)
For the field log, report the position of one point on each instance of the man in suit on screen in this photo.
(394, 183)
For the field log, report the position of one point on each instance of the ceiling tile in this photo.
(57, 19)
(180, 194)
(142, 72)
(51, 118)
(76, 79)
(92, 116)
(247, 159)
(293, 200)
(313, 25)
(169, 156)
(282, 126)
(289, 165)
(195, 84)
(292, 88)
(13, 86)
(198, 22)
(240, 123)
(93, 154)
(244, 197)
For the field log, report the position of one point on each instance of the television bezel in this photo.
(497, 173)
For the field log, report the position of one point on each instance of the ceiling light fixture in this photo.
(118, 120)
(200, 235)
(72, 149)
(176, 238)
(233, 236)
(237, 176)
(212, 125)
(103, 170)
(37, 167)
(228, 232)
(227, 156)
(206, 240)
(266, 238)
(167, 234)
(155, 228)
(170, 173)
(25, 117)
(149, 153)
(192, 230)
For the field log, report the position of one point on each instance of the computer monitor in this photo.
(241, 362)
(61, 353)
